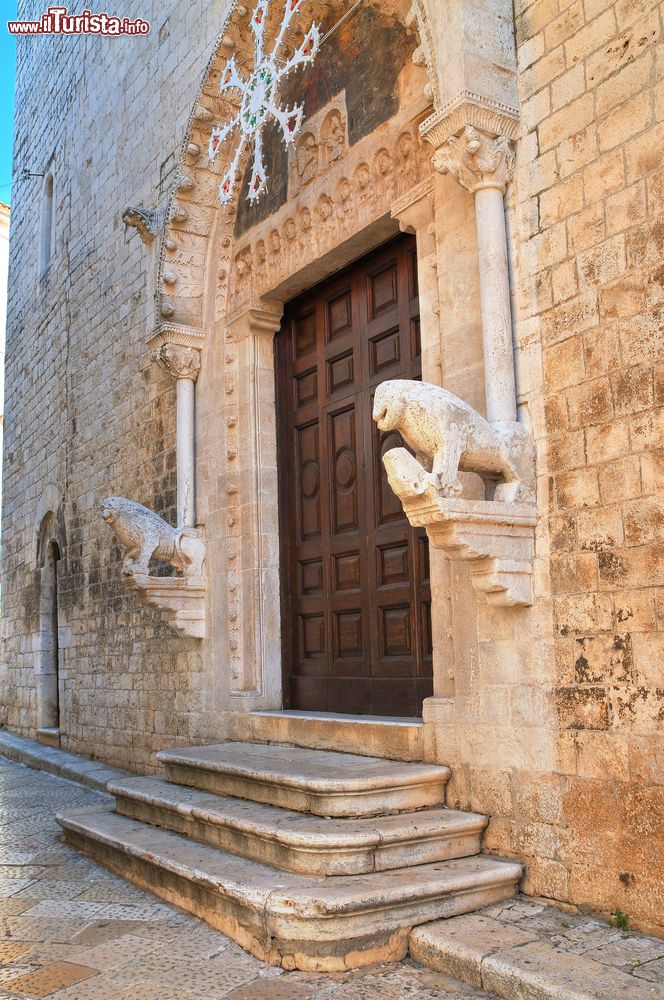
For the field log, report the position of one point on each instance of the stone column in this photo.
(253, 516)
(184, 364)
(474, 143)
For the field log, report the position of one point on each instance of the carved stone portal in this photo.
(497, 536)
(143, 535)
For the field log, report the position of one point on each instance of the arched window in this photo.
(47, 224)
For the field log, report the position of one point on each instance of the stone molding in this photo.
(179, 361)
(470, 109)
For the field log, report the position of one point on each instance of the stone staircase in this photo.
(310, 859)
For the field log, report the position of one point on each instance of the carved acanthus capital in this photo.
(477, 159)
(179, 361)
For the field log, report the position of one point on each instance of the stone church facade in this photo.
(474, 201)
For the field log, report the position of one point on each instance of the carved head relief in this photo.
(274, 241)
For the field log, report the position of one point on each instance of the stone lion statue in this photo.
(447, 435)
(144, 535)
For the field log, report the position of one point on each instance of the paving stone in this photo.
(50, 978)
(538, 972)
(11, 950)
(652, 972)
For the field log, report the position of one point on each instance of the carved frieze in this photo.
(331, 209)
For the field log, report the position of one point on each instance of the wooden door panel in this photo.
(356, 593)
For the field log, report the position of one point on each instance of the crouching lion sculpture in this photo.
(447, 435)
(142, 534)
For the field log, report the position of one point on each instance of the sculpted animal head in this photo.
(111, 508)
(390, 404)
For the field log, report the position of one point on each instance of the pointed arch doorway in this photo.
(356, 599)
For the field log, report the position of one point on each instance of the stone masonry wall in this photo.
(89, 414)
(590, 224)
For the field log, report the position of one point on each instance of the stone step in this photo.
(378, 736)
(296, 841)
(296, 921)
(322, 782)
(511, 961)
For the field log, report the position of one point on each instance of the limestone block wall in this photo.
(90, 412)
(590, 235)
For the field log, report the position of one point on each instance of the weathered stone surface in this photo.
(537, 953)
(290, 920)
(296, 841)
(395, 738)
(321, 782)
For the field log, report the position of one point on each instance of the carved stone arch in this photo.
(197, 235)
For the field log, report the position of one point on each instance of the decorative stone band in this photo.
(470, 109)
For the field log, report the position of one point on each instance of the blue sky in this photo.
(7, 69)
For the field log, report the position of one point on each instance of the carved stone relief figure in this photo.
(385, 173)
(407, 164)
(363, 188)
(274, 242)
(307, 159)
(343, 199)
(333, 138)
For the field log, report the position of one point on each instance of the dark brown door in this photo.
(355, 576)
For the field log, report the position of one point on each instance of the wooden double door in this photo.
(356, 601)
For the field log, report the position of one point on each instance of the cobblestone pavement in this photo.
(71, 930)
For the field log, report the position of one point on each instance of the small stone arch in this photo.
(50, 552)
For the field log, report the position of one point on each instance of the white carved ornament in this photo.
(260, 98)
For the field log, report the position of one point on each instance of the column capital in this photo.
(259, 317)
(477, 160)
(474, 140)
(180, 362)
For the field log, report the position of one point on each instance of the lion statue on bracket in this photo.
(448, 435)
(143, 535)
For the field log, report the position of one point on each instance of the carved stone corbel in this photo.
(146, 221)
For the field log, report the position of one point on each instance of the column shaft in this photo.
(495, 304)
(185, 452)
